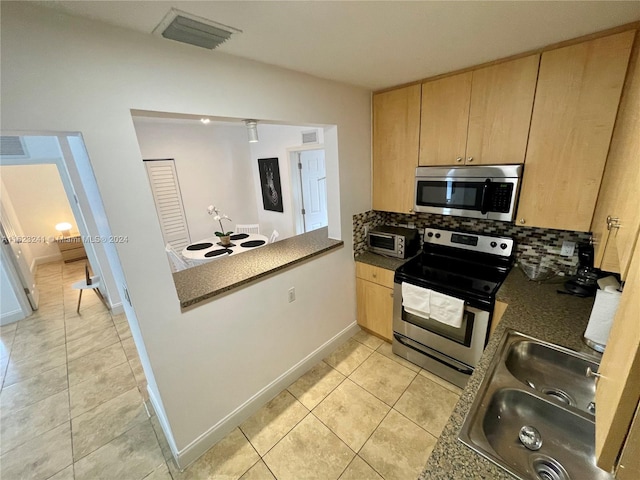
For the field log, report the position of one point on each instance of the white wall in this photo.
(39, 202)
(212, 163)
(78, 75)
(275, 140)
(10, 309)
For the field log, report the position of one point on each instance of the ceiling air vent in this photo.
(310, 136)
(186, 28)
(12, 147)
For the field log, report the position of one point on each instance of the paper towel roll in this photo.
(604, 309)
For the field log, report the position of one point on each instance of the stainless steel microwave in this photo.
(483, 191)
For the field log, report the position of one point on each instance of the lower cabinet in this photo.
(374, 289)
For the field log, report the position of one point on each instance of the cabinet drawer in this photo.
(374, 274)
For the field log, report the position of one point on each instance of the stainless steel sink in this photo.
(531, 416)
(554, 371)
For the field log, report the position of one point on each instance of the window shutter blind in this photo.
(168, 199)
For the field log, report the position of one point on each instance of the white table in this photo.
(208, 248)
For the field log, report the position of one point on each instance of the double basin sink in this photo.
(534, 412)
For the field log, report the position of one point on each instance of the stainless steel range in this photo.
(457, 273)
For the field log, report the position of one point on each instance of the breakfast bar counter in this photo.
(535, 309)
(203, 282)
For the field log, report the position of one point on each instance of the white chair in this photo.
(247, 228)
(274, 236)
(178, 262)
(89, 283)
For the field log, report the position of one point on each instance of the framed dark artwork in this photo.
(270, 184)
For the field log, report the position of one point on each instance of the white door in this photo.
(313, 178)
(11, 241)
(168, 199)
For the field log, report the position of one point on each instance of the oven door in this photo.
(464, 344)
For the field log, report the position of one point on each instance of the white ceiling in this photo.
(375, 44)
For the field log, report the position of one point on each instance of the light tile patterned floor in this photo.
(73, 392)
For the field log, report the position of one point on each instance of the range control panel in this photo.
(502, 246)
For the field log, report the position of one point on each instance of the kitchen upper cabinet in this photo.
(618, 388)
(574, 112)
(396, 133)
(374, 291)
(479, 117)
(620, 191)
(445, 116)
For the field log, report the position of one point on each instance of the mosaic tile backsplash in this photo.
(534, 245)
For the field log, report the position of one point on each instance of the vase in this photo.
(225, 240)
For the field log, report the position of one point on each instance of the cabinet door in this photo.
(620, 191)
(375, 308)
(444, 120)
(396, 130)
(500, 112)
(573, 115)
(618, 388)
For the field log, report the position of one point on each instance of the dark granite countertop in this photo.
(535, 309)
(390, 263)
(205, 281)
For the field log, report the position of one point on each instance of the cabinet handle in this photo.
(411, 210)
(391, 294)
(522, 221)
(469, 159)
(374, 275)
(591, 373)
(459, 159)
(612, 222)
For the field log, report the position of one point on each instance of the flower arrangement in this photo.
(211, 210)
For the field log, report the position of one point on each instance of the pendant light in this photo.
(252, 130)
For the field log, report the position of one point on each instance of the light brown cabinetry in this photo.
(374, 290)
(618, 388)
(479, 117)
(574, 112)
(620, 190)
(71, 248)
(396, 131)
(498, 313)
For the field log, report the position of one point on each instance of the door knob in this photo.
(459, 159)
(522, 221)
(469, 159)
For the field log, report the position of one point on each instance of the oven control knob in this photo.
(438, 235)
(503, 246)
(430, 234)
(493, 244)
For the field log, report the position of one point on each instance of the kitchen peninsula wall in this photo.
(535, 245)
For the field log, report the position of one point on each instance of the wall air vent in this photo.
(11, 146)
(186, 28)
(310, 136)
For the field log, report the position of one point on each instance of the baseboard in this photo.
(200, 445)
(12, 317)
(117, 309)
(55, 257)
(164, 423)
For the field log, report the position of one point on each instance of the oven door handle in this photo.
(438, 357)
(484, 207)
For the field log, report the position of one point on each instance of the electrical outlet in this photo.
(292, 294)
(567, 248)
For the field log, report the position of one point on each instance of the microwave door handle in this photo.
(484, 207)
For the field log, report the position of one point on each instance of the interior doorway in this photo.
(309, 188)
